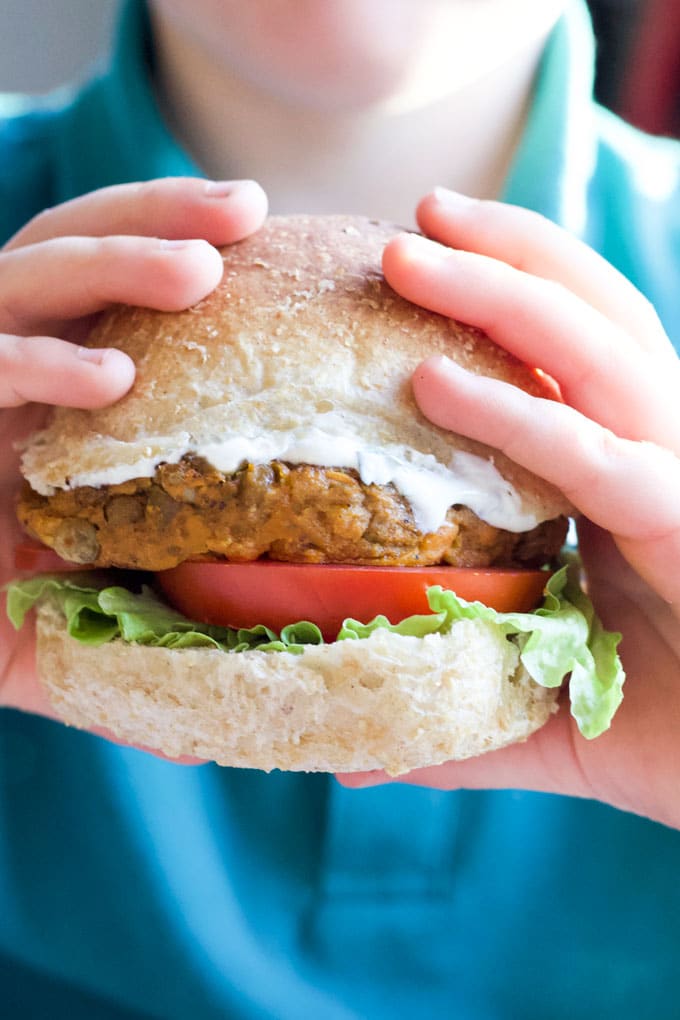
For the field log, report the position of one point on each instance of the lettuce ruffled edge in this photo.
(562, 638)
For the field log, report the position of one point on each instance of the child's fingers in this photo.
(21, 689)
(535, 245)
(174, 207)
(547, 762)
(69, 277)
(601, 371)
(631, 489)
(51, 371)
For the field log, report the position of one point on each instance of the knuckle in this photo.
(107, 249)
(160, 195)
(37, 226)
(12, 371)
(650, 319)
(553, 294)
(150, 195)
(10, 305)
(528, 225)
(598, 456)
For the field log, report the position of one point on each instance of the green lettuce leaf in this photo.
(97, 615)
(564, 637)
(561, 638)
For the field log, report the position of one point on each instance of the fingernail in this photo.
(99, 355)
(424, 248)
(219, 189)
(442, 363)
(94, 354)
(227, 189)
(435, 363)
(453, 199)
(177, 244)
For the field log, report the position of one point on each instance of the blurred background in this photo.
(44, 43)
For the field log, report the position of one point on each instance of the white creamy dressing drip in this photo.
(429, 486)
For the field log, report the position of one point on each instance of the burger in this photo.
(267, 557)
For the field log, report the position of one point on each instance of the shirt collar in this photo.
(556, 155)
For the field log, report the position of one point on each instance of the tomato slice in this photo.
(273, 593)
(40, 559)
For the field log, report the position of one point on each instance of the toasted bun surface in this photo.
(387, 701)
(303, 324)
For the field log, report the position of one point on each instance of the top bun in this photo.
(303, 330)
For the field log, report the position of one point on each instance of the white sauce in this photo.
(429, 486)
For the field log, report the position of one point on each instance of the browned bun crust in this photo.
(302, 323)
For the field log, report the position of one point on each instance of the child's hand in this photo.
(120, 244)
(613, 447)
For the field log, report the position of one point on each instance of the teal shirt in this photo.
(130, 886)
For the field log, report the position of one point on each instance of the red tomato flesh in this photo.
(276, 594)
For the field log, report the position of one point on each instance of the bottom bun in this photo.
(384, 702)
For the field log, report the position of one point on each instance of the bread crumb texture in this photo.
(302, 326)
(386, 702)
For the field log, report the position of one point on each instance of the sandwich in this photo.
(264, 555)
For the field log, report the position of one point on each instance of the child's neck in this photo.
(377, 162)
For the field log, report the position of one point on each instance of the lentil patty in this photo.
(295, 513)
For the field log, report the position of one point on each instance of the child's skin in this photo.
(321, 102)
(613, 446)
(67, 263)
